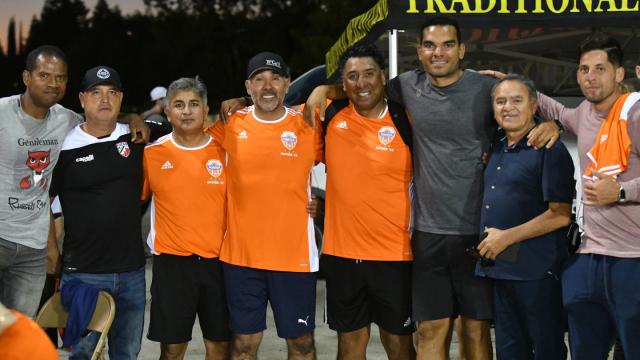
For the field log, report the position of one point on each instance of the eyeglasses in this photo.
(484, 262)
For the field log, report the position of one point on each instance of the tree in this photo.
(11, 38)
(105, 38)
(11, 65)
(175, 38)
(3, 66)
(60, 23)
(20, 39)
(322, 26)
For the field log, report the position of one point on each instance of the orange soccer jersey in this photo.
(188, 208)
(368, 206)
(269, 166)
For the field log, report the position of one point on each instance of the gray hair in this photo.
(531, 87)
(187, 84)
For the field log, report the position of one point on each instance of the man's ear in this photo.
(619, 74)
(26, 77)
(463, 49)
(81, 97)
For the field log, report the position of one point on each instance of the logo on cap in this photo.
(103, 73)
(275, 63)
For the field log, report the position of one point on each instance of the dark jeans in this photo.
(602, 299)
(529, 319)
(125, 337)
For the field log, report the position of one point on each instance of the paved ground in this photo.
(272, 348)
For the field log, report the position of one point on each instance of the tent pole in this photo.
(393, 53)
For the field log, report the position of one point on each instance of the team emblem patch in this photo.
(289, 139)
(386, 134)
(214, 168)
(123, 149)
(103, 73)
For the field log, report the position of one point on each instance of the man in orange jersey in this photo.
(184, 171)
(367, 251)
(270, 253)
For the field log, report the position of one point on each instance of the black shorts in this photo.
(444, 281)
(181, 287)
(360, 292)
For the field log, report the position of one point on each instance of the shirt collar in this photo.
(521, 144)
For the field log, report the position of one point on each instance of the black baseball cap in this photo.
(100, 75)
(267, 60)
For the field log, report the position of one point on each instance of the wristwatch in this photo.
(622, 196)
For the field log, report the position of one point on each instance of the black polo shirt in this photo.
(519, 182)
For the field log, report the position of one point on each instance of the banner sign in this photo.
(480, 16)
(407, 14)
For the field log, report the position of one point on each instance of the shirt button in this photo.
(487, 206)
(498, 168)
(493, 187)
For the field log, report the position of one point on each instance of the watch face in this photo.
(623, 195)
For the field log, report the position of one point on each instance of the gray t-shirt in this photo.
(30, 149)
(452, 127)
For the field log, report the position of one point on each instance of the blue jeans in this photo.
(23, 271)
(125, 337)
